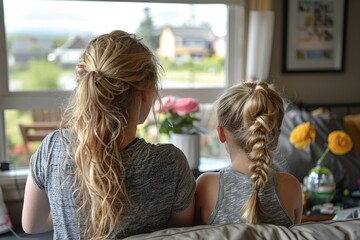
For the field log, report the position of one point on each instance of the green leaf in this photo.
(180, 124)
(165, 127)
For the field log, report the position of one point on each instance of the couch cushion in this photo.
(295, 161)
(347, 229)
(352, 126)
(329, 230)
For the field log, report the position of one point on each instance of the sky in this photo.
(103, 17)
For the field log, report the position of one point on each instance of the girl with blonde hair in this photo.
(249, 115)
(93, 178)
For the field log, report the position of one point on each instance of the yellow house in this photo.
(182, 43)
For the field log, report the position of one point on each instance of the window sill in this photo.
(13, 177)
(19, 176)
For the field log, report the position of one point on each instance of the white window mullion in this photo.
(33, 100)
(2, 137)
(3, 83)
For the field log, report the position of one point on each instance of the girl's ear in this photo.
(221, 134)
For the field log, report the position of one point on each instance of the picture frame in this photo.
(314, 36)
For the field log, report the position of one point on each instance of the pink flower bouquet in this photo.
(178, 115)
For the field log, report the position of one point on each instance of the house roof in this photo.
(76, 42)
(27, 45)
(193, 33)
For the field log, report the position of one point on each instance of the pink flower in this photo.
(176, 115)
(185, 106)
(19, 149)
(167, 103)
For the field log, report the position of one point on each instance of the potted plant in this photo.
(320, 183)
(177, 117)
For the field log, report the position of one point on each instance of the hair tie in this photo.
(96, 75)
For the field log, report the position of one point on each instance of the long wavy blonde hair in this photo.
(110, 73)
(253, 112)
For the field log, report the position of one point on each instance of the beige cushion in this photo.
(352, 126)
(329, 230)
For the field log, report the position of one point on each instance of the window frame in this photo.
(235, 69)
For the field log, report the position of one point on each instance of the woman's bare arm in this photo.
(36, 213)
(207, 188)
(184, 218)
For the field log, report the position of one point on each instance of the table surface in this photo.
(317, 217)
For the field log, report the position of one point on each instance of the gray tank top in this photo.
(234, 190)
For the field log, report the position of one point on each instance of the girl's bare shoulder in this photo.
(207, 178)
(288, 181)
(284, 176)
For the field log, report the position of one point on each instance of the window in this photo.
(44, 39)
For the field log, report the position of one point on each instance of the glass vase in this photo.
(320, 185)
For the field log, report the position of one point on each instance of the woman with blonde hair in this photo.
(93, 178)
(249, 115)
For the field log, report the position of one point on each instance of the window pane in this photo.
(46, 38)
(24, 131)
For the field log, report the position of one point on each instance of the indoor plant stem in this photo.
(320, 160)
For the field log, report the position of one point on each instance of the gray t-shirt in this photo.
(158, 179)
(235, 189)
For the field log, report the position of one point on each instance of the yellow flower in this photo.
(303, 135)
(339, 142)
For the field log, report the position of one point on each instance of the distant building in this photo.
(183, 43)
(23, 50)
(70, 52)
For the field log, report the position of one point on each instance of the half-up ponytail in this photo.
(110, 74)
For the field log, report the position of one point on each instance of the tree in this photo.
(147, 31)
(42, 75)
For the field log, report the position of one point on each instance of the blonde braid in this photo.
(253, 113)
(260, 158)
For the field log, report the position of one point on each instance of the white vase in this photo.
(189, 144)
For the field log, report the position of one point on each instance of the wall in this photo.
(320, 87)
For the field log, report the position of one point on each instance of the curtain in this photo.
(260, 39)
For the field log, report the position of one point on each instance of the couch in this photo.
(344, 226)
(328, 230)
